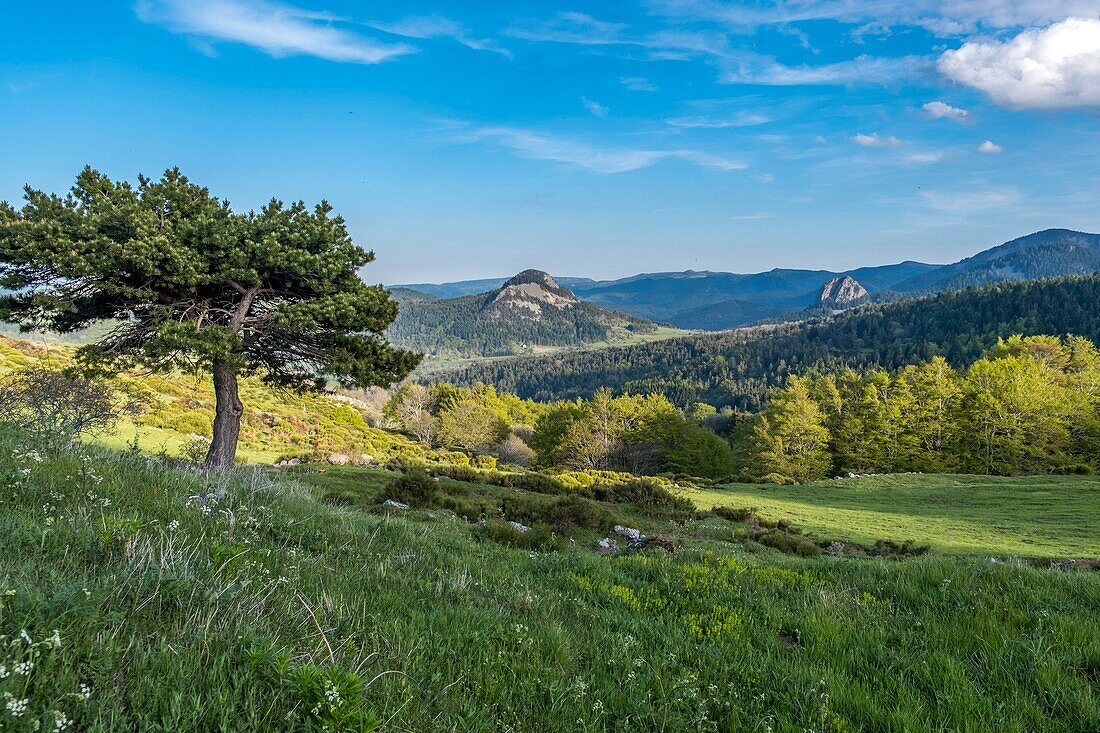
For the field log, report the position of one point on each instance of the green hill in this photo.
(529, 311)
(137, 596)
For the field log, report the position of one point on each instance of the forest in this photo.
(1029, 405)
(736, 369)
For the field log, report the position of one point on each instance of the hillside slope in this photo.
(138, 596)
(1049, 253)
(737, 368)
(529, 310)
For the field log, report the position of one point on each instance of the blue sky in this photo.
(603, 139)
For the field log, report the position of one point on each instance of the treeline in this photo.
(1030, 405)
(468, 325)
(644, 435)
(737, 369)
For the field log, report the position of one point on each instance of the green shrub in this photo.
(415, 488)
(539, 537)
(488, 463)
(734, 515)
(560, 514)
(643, 494)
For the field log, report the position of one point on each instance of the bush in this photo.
(786, 541)
(415, 488)
(486, 463)
(644, 495)
(539, 537)
(734, 515)
(515, 451)
(61, 404)
(561, 513)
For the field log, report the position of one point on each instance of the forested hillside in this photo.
(529, 310)
(736, 369)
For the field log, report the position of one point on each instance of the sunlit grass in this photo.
(1051, 516)
(185, 601)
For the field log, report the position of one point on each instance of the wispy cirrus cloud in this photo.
(735, 65)
(744, 119)
(435, 26)
(944, 17)
(971, 200)
(637, 84)
(276, 29)
(605, 160)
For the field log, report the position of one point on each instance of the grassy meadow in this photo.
(1036, 516)
(138, 595)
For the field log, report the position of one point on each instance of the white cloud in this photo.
(755, 69)
(434, 26)
(758, 216)
(990, 147)
(966, 201)
(637, 84)
(944, 17)
(278, 30)
(926, 157)
(942, 110)
(597, 109)
(576, 28)
(874, 140)
(740, 120)
(736, 65)
(540, 146)
(1052, 68)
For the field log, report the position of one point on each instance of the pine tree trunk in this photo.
(227, 418)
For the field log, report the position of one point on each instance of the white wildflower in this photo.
(56, 639)
(16, 707)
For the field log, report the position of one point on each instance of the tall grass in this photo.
(183, 601)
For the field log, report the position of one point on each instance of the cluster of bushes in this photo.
(649, 495)
(644, 435)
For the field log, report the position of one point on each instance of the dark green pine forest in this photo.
(736, 369)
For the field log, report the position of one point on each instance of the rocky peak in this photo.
(528, 293)
(841, 292)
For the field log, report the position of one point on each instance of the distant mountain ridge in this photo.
(722, 300)
(1049, 253)
(529, 310)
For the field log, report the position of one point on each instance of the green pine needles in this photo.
(192, 285)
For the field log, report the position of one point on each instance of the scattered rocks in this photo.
(391, 504)
(628, 532)
(291, 462)
(607, 544)
(339, 459)
(664, 542)
(519, 527)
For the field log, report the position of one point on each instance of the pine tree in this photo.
(192, 285)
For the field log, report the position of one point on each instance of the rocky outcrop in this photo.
(528, 293)
(842, 292)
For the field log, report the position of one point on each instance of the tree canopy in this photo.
(193, 285)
